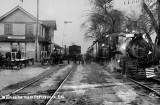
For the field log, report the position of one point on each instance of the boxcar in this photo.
(74, 50)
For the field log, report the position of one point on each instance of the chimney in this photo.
(134, 26)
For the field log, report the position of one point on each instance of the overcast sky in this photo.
(59, 10)
(68, 10)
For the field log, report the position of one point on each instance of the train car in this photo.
(74, 50)
(93, 50)
(105, 47)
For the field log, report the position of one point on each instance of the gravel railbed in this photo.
(93, 84)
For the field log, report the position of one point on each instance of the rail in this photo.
(64, 80)
(36, 80)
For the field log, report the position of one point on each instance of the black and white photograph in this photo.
(79, 52)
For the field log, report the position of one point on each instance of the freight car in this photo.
(74, 51)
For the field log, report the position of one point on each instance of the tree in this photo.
(102, 20)
(150, 9)
(134, 12)
(145, 26)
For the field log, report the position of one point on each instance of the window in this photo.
(22, 47)
(15, 47)
(19, 48)
(8, 28)
(29, 29)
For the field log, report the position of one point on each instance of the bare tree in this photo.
(145, 26)
(153, 11)
(103, 19)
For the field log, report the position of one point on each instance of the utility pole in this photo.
(36, 36)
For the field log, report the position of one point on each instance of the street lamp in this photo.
(65, 23)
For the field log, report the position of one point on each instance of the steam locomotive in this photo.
(133, 52)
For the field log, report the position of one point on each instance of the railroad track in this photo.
(140, 78)
(150, 84)
(49, 102)
(31, 83)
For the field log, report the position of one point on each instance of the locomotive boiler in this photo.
(135, 47)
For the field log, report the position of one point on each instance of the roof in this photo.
(57, 46)
(49, 23)
(20, 8)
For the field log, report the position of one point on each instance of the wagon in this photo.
(19, 63)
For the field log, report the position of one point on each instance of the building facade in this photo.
(18, 31)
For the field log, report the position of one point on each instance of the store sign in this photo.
(16, 37)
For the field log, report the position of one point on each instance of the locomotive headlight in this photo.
(149, 52)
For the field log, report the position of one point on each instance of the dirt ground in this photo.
(13, 76)
(94, 85)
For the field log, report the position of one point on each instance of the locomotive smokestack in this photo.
(134, 26)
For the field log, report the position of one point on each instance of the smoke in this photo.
(131, 8)
(113, 65)
(123, 48)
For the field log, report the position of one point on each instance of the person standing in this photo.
(79, 59)
(68, 58)
(82, 60)
(75, 59)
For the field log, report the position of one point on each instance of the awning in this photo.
(13, 38)
(57, 46)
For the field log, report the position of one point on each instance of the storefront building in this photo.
(18, 31)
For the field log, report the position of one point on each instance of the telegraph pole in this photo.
(36, 36)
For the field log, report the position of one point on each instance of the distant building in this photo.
(18, 30)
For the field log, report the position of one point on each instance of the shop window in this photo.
(29, 29)
(8, 29)
(20, 49)
(15, 47)
(43, 54)
(13, 55)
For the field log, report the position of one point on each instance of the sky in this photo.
(69, 10)
(59, 10)
(130, 8)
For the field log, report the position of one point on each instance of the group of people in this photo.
(56, 57)
(78, 58)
